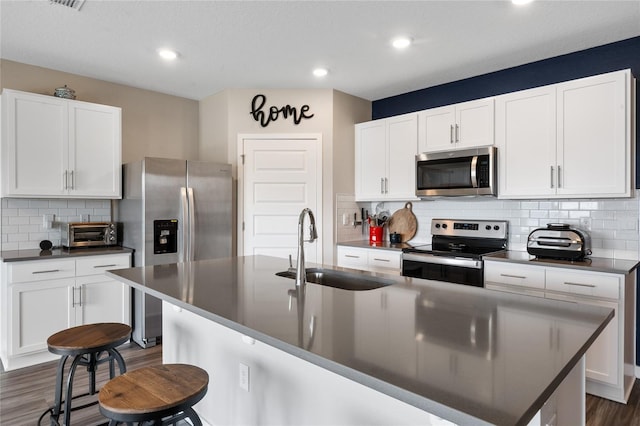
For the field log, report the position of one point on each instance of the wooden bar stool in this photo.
(161, 394)
(89, 345)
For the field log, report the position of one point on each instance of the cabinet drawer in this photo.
(514, 274)
(384, 259)
(352, 257)
(41, 270)
(587, 284)
(96, 265)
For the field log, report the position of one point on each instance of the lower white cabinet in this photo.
(611, 359)
(374, 259)
(42, 297)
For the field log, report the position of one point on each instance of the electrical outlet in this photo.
(244, 377)
(585, 223)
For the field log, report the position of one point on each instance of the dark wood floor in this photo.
(27, 393)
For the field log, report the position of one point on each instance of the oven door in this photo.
(443, 268)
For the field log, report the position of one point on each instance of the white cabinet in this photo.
(385, 158)
(566, 140)
(42, 297)
(374, 259)
(53, 147)
(460, 126)
(610, 360)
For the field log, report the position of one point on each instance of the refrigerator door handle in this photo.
(192, 224)
(184, 204)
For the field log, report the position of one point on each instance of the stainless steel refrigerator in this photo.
(172, 211)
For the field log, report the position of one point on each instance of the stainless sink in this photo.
(339, 279)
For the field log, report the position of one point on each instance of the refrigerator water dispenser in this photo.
(165, 236)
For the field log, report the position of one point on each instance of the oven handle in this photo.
(442, 260)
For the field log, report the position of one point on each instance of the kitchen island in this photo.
(412, 351)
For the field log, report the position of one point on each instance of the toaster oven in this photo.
(88, 234)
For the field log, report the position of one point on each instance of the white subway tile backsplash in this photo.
(614, 223)
(23, 224)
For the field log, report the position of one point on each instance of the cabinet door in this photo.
(526, 141)
(384, 261)
(371, 160)
(101, 299)
(402, 147)
(436, 129)
(94, 154)
(34, 144)
(39, 310)
(474, 121)
(593, 136)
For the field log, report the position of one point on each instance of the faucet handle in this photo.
(290, 262)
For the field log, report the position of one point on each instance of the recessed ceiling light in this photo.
(521, 2)
(167, 54)
(401, 42)
(320, 72)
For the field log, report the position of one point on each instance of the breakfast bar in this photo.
(403, 351)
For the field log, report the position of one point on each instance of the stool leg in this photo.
(91, 369)
(58, 394)
(195, 420)
(67, 403)
(121, 365)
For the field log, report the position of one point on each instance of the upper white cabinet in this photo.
(385, 158)
(566, 140)
(460, 126)
(54, 147)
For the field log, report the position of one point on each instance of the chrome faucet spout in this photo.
(301, 276)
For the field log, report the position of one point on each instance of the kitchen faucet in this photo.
(301, 275)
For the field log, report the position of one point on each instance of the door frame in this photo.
(240, 177)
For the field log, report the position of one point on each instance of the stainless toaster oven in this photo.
(88, 234)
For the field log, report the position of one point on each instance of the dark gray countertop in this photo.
(593, 264)
(385, 245)
(59, 253)
(505, 368)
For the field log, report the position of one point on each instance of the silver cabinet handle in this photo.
(386, 185)
(105, 266)
(382, 185)
(352, 256)
(551, 176)
(451, 133)
(64, 180)
(513, 276)
(71, 178)
(46, 272)
(80, 293)
(457, 133)
(381, 260)
(559, 172)
(580, 284)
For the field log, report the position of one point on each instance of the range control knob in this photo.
(444, 226)
(488, 227)
(496, 227)
(437, 225)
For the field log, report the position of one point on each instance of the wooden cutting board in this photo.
(404, 222)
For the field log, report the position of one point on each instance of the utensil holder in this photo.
(375, 234)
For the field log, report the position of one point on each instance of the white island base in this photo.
(283, 389)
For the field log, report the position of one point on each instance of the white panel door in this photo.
(280, 178)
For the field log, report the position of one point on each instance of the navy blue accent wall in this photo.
(609, 57)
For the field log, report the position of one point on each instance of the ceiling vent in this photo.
(73, 4)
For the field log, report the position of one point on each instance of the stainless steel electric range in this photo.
(456, 250)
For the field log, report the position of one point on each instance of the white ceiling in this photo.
(276, 44)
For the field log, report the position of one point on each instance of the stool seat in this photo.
(88, 338)
(88, 345)
(152, 393)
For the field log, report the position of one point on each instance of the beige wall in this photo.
(153, 124)
(334, 114)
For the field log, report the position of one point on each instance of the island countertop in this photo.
(398, 339)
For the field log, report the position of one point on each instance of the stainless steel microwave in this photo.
(468, 172)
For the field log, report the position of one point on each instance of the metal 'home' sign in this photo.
(264, 117)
